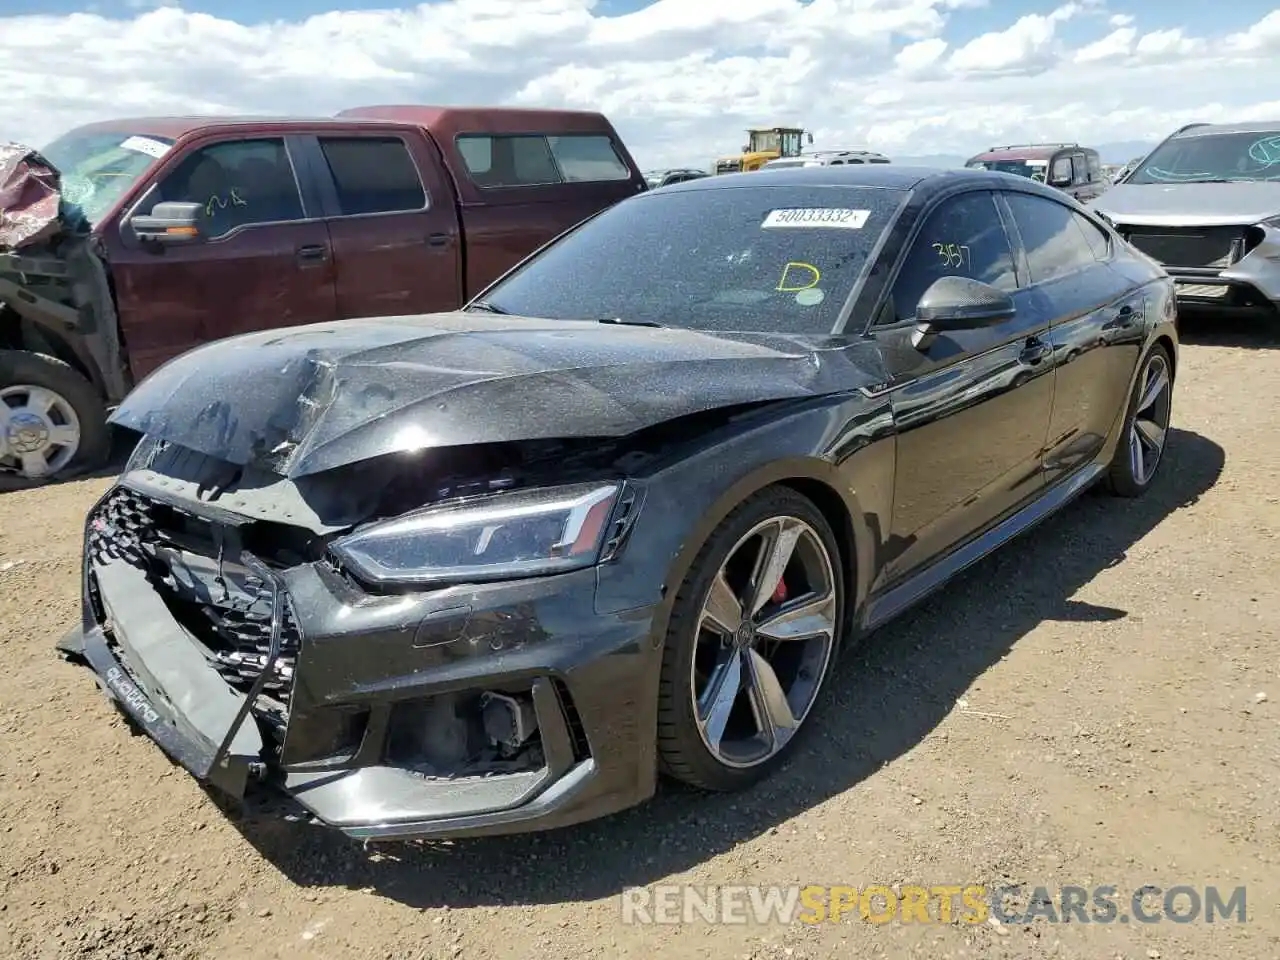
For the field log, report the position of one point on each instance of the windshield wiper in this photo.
(488, 307)
(622, 322)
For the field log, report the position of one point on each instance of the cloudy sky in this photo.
(680, 78)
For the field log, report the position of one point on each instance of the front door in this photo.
(972, 406)
(259, 262)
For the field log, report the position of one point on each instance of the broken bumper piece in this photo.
(504, 708)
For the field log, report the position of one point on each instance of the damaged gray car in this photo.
(1205, 204)
(496, 569)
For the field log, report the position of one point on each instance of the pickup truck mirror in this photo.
(169, 223)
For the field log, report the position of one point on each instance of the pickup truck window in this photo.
(526, 160)
(373, 175)
(238, 182)
(587, 159)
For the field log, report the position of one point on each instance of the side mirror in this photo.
(169, 223)
(959, 303)
(811, 138)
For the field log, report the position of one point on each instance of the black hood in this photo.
(303, 400)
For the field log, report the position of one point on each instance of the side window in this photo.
(1061, 170)
(587, 158)
(1098, 241)
(373, 175)
(1051, 233)
(962, 237)
(508, 161)
(1095, 167)
(237, 183)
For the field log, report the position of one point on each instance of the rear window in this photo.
(767, 258)
(528, 160)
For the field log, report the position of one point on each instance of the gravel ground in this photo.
(1100, 704)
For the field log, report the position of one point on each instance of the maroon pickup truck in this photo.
(160, 234)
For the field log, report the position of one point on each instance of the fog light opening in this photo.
(509, 722)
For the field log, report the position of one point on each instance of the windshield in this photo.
(1031, 169)
(1218, 156)
(98, 168)
(760, 258)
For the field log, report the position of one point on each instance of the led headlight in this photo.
(517, 534)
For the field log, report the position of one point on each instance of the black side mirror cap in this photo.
(961, 303)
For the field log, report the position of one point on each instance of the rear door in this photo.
(1097, 324)
(261, 260)
(971, 406)
(392, 220)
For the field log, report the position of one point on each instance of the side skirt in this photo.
(920, 585)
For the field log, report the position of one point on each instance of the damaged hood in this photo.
(303, 400)
(30, 197)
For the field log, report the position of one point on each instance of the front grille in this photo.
(229, 614)
(1190, 246)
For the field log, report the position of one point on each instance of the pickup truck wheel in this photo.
(52, 421)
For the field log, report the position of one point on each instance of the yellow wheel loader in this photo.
(764, 144)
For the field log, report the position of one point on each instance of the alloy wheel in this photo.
(764, 641)
(1150, 426)
(39, 430)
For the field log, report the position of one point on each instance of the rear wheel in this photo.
(52, 421)
(1146, 427)
(752, 638)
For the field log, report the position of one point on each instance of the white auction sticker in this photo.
(152, 148)
(817, 217)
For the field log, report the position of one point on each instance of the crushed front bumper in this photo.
(366, 674)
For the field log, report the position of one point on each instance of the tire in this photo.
(1124, 476)
(18, 369)
(685, 752)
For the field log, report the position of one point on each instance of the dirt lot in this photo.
(1098, 705)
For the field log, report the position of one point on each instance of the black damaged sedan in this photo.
(496, 570)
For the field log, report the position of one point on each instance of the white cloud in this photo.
(1115, 44)
(1026, 47)
(680, 78)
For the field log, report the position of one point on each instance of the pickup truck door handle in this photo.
(437, 240)
(312, 253)
(1034, 350)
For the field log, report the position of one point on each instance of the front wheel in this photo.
(753, 633)
(52, 421)
(1146, 427)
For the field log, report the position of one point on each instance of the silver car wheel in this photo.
(764, 641)
(39, 430)
(1150, 424)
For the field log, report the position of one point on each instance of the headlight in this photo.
(517, 534)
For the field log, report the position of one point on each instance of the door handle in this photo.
(1034, 351)
(437, 240)
(312, 253)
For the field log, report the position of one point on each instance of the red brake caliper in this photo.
(779, 592)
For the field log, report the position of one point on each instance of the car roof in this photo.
(884, 175)
(1214, 129)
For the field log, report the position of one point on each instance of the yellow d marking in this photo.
(785, 283)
